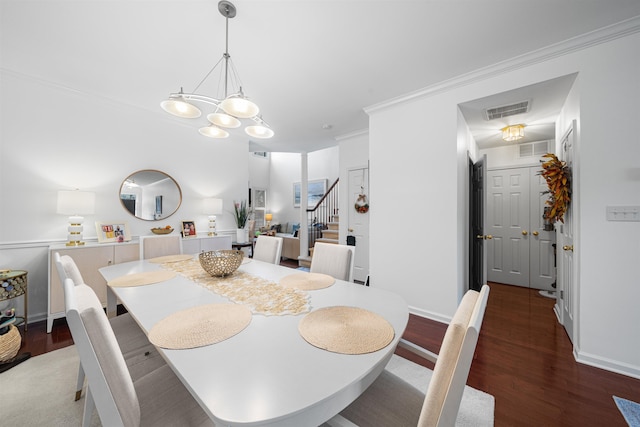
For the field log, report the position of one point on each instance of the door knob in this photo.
(535, 233)
(525, 232)
(568, 248)
(487, 237)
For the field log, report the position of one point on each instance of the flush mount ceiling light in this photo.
(230, 107)
(513, 132)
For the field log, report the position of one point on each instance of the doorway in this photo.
(358, 221)
(521, 251)
(477, 258)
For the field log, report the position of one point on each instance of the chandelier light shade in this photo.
(213, 132)
(229, 107)
(513, 132)
(75, 203)
(258, 131)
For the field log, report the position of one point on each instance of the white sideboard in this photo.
(197, 244)
(92, 256)
(89, 258)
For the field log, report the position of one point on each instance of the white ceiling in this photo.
(306, 63)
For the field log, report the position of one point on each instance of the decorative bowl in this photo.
(161, 230)
(221, 263)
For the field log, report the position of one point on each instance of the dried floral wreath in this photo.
(557, 175)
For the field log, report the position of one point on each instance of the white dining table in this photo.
(267, 374)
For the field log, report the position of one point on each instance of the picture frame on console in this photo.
(113, 231)
(188, 229)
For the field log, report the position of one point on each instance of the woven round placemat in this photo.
(141, 279)
(307, 281)
(346, 330)
(170, 258)
(200, 326)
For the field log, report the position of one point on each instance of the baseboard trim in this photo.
(437, 317)
(606, 364)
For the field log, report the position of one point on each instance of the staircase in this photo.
(324, 223)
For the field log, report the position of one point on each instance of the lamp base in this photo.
(75, 243)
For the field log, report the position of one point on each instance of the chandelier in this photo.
(229, 108)
(513, 132)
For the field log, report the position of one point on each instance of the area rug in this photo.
(476, 407)
(630, 411)
(43, 387)
(40, 392)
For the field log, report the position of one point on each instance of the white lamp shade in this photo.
(224, 120)
(180, 108)
(213, 132)
(239, 107)
(258, 131)
(212, 206)
(76, 202)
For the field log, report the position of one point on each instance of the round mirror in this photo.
(150, 195)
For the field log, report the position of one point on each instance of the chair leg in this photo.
(89, 406)
(80, 382)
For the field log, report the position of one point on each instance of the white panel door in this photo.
(566, 279)
(520, 251)
(358, 223)
(541, 251)
(508, 223)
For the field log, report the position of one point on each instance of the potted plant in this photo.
(241, 214)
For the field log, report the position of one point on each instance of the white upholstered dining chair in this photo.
(157, 246)
(268, 249)
(334, 260)
(140, 355)
(390, 401)
(155, 399)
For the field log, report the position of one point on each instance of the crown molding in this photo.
(574, 44)
(353, 134)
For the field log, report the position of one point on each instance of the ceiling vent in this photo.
(533, 149)
(507, 110)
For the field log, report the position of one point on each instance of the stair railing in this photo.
(323, 213)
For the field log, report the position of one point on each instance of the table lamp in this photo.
(212, 207)
(75, 203)
(268, 217)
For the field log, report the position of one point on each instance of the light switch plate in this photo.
(623, 213)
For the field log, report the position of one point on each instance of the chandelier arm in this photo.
(208, 74)
(197, 97)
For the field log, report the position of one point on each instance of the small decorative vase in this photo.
(241, 235)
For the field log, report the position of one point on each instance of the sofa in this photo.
(290, 245)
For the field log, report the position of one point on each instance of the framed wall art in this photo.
(113, 231)
(315, 191)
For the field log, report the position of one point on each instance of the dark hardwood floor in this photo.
(523, 358)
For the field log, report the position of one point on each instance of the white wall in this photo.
(421, 192)
(354, 154)
(285, 170)
(54, 138)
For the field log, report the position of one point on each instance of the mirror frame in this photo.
(150, 170)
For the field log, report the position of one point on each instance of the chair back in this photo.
(268, 249)
(442, 401)
(334, 260)
(109, 382)
(67, 268)
(156, 246)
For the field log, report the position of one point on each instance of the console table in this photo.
(13, 283)
(89, 258)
